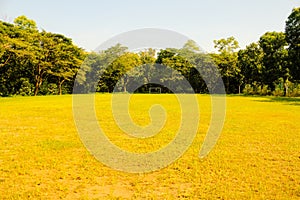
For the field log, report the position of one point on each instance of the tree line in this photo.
(34, 62)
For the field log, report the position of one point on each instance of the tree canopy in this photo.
(37, 62)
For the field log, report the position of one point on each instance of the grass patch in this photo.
(257, 156)
(287, 100)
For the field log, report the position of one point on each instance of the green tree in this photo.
(145, 73)
(32, 59)
(197, 61)
(190, 46)
(16, 54)
(120, 67)
(173, 59)
(87, 78)
(250, 63)
(66, 59)
(227, 60)
(110, 74)
(292, 31)
(44, 54)
(33, 48)
(274, 60)
(25, 24)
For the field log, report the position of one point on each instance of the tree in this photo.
(16, 54)
(146, 72)
(41, 66)
(226, 45)
(191, 46)
(30, 59)
(292, 31)
(87, 77)
(6, 30)
(25, 24)
(66, 60)
(203, 75)
(174, 59)
(227, 60)
(36, 48)
(197, 62)
(122, 65)
(275, 57)
(250, 63)
(109, 73)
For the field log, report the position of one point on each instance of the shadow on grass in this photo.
(286, 100)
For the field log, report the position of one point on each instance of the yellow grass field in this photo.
(256, 157)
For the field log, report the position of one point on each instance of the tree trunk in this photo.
(60, 85)
(38, 83)
(286, 87)
(36, 89)
(125, 84)
(227, 85)
(59, 89)
(38, 80)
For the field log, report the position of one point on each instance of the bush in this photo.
(278, 91)
(26, 88)
(263, 90)
(295, 90)
(255, 89)
(48, 89)
(248, 90)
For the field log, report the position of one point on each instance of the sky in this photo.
(91, 22)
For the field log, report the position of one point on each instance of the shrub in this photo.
(26, 88)
(248, 90)
(295, 90)
(263, 90)
(278, 91)
(48, 88)
(256, 89)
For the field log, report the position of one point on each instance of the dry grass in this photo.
(257, 156)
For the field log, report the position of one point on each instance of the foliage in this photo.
(275, 57)
(295, 90)
(37, 57)
(33, 61)
(227, 61)
(292, 31)
(256, 89)
(250, 63)
(26, 88)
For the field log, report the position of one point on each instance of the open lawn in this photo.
(256, 157)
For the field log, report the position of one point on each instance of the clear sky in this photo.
(91, 22)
